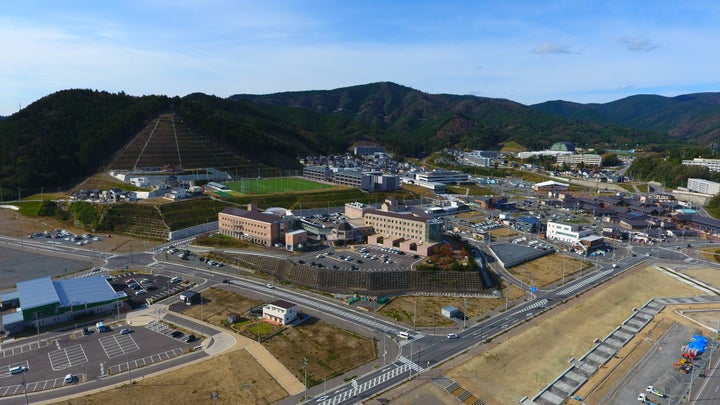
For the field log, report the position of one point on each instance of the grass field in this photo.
(520, 367)
(275, 185)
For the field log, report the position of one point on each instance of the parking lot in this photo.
(362, 257)
(141, 287)
(89, 355)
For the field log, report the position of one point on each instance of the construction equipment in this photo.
(644, 399)
(651, 389)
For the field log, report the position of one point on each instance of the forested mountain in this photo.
(68, 135)
(72, 134)
(413, 123)
(691, 117)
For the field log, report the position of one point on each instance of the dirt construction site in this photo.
(519, 364)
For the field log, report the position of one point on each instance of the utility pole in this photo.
(305, 363)
(464, 311)
(415, 313)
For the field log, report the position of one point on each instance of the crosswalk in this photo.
(534, 305)
(583, 283)
(402, 367)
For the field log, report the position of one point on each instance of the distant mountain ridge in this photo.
(691, 117)
(71, 134)
(414, 123)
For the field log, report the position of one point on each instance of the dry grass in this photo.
(403, 309)
(236, 377)
(514, 367)
(218, 303)
(330, 350)
(503, 233)
(711, 277)
(549, 269)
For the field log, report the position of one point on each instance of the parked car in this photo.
(190, 338)
(86, 331)
(69, 378)
(18, 370)
(176, 334)
(125, 331)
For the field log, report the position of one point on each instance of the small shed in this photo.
(190, 297)
(449, 311)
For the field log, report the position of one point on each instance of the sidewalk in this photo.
(225, 341)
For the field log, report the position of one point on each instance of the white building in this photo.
(703, 186)
(712, 164)
(280, 312)
(441, 176)
(565, 232)
(588, 159)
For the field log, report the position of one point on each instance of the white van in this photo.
(404, 335)
(69, 378)
(18, 369)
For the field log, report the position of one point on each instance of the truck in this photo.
(651, 389)
(101, 327)
(644, 399)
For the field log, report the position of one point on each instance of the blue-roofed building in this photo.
(49, 302)
(528, 224)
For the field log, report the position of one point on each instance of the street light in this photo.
(24, 386)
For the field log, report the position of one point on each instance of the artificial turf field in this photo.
(274, 185)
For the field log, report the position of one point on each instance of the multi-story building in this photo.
(317, 173)
(587, 159)
(385, 182)
(365, 150)
(570, 233)
(712, 164)
(441, 176)
(703, 186)
(404, 225)
(265, 228)
(353, 178)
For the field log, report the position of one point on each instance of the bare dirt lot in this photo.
(425, 311)
(710, 277)
(14, 224)
(549, 269)
(236, 377)
(523, 360)
(330, 351)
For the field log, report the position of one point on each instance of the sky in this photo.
(526, 51)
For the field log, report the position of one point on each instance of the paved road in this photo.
(416, 355)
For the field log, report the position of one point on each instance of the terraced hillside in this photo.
(139, 220)
(168, 141)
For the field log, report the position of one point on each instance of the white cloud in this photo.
(637, 44)
(551, 49)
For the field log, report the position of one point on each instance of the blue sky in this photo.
(525, 51)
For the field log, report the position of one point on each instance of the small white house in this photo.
(280, 312)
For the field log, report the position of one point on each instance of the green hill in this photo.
(72, 134)
(691, 117)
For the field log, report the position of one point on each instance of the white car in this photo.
(270, 286)
(452, 336)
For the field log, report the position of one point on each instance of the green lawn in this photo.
(274, 185)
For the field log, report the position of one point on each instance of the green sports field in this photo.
(274, 185)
